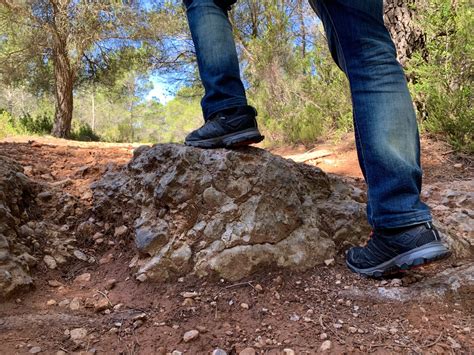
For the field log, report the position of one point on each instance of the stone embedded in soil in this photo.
(50, 262)
(54, 283)
(110, 284)
(78, 334)
(64, 303)
(190, 335)
(325, 346)
(204, 211)
(83, 278)
(120, 231)
(248, 351)
(189, 294)
(35, 350)
(75, 304)
(329, 262)
(219, 352)
(101, 304)
(80, 255)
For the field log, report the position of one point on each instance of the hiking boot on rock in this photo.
(390, 251)
(230, 128)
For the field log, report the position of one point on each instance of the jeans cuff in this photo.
(398, 221)
(222, 105)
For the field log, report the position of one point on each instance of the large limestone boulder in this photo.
(15, 197)
(228, 213)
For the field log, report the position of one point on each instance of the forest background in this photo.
(125, 71)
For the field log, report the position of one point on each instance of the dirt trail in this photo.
(106, 310)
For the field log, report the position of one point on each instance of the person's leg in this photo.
(386, 133)
(229, 120)
(216, 55)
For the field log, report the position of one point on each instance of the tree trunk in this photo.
(399, 16)
(93, 108)
(64, 83)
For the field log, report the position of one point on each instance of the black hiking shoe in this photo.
(386, 252)
(230, 128)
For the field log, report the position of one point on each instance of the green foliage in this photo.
(301, 95)
(83, 132)
(444, 81)
(40, 124)
(6, 127)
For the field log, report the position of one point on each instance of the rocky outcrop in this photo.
(15, 197)
(452, 206)
(228, 213)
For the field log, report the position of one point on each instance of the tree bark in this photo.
(64, 83)
(399, 16)
(64, 73)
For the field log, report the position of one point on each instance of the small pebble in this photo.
(325, 346)
(248, 351)
(190, 335)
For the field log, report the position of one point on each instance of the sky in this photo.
(161, 90)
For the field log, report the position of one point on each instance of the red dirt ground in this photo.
(285, 310)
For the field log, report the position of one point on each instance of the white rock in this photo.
(190, 335)
(142, 277)
(176, 352)
(288, 351)
(294, 317)
(83, 278)
(80, 255)
(396, 283)
(189, 294)
(50, 262)
(323, 336)
(329, 262)
(64, 303)
(325, 346)
(51, 302)
(75, 304)
(244, 305)
(78, 333)
(120, 231)
(35, 350)
(219, 352)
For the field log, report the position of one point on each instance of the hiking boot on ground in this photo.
(391, 251)
(230, 128)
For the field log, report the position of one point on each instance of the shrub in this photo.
(81, 131)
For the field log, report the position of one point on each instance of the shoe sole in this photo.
(231, 140)
(416, 257)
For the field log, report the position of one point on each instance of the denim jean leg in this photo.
(384, 118)
(216, 54)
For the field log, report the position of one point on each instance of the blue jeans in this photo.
(216, 56)
(386, 132)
